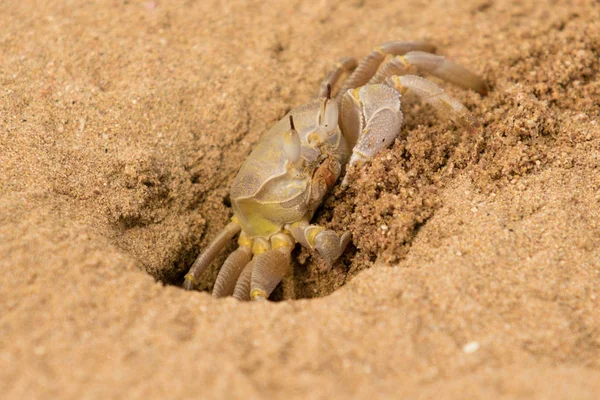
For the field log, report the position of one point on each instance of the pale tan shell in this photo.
(267, 161)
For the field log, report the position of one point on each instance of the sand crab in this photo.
(285, 178)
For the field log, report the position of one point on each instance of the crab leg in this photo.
(269, 269)
(209, 254)
(433, 64)
(232, 268)
(371, 115)
(242, 287)
(271, 266)
(328, 243)
(434, 95)
(369, 65)
(345, 64)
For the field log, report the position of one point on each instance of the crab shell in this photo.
(270, 190)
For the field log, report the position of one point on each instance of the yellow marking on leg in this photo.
(259, 246)
(402, 59)
(398, 86)
(244, 240)
(380, 50)
(190, 278)
(281, 240)
(313, 231)
(258, 294)
(297, 224)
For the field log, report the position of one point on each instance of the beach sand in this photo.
(474, 270)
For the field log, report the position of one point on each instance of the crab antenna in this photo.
(328, 91)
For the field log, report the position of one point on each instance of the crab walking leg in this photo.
(242, 286)
(209, 254)
(434, 95)
(269, 269)
(271, 266)
(369, 65)
(343, 65)
(432, 64)
(232, 267)
(329, 244)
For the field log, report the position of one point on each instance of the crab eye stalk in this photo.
(327, 119)
(328, 115)
(291, 143)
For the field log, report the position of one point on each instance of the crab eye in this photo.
(291, 143)
(328, 116)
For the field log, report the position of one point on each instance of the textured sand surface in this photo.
(475, 265)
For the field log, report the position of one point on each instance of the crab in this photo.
(291, 169)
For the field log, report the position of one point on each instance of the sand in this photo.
(475, 265)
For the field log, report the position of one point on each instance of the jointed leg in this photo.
(255, 279)
(433, 64)
(242, 287)
(209, 254)
(432, 94)
(372, 118)
(270, 266)
(269, 269)
(329, 244)
(232, 268)
(344, 65)
(369, 65)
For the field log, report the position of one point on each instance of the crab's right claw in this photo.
(330, 245)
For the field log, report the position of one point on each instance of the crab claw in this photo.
(330, 245)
